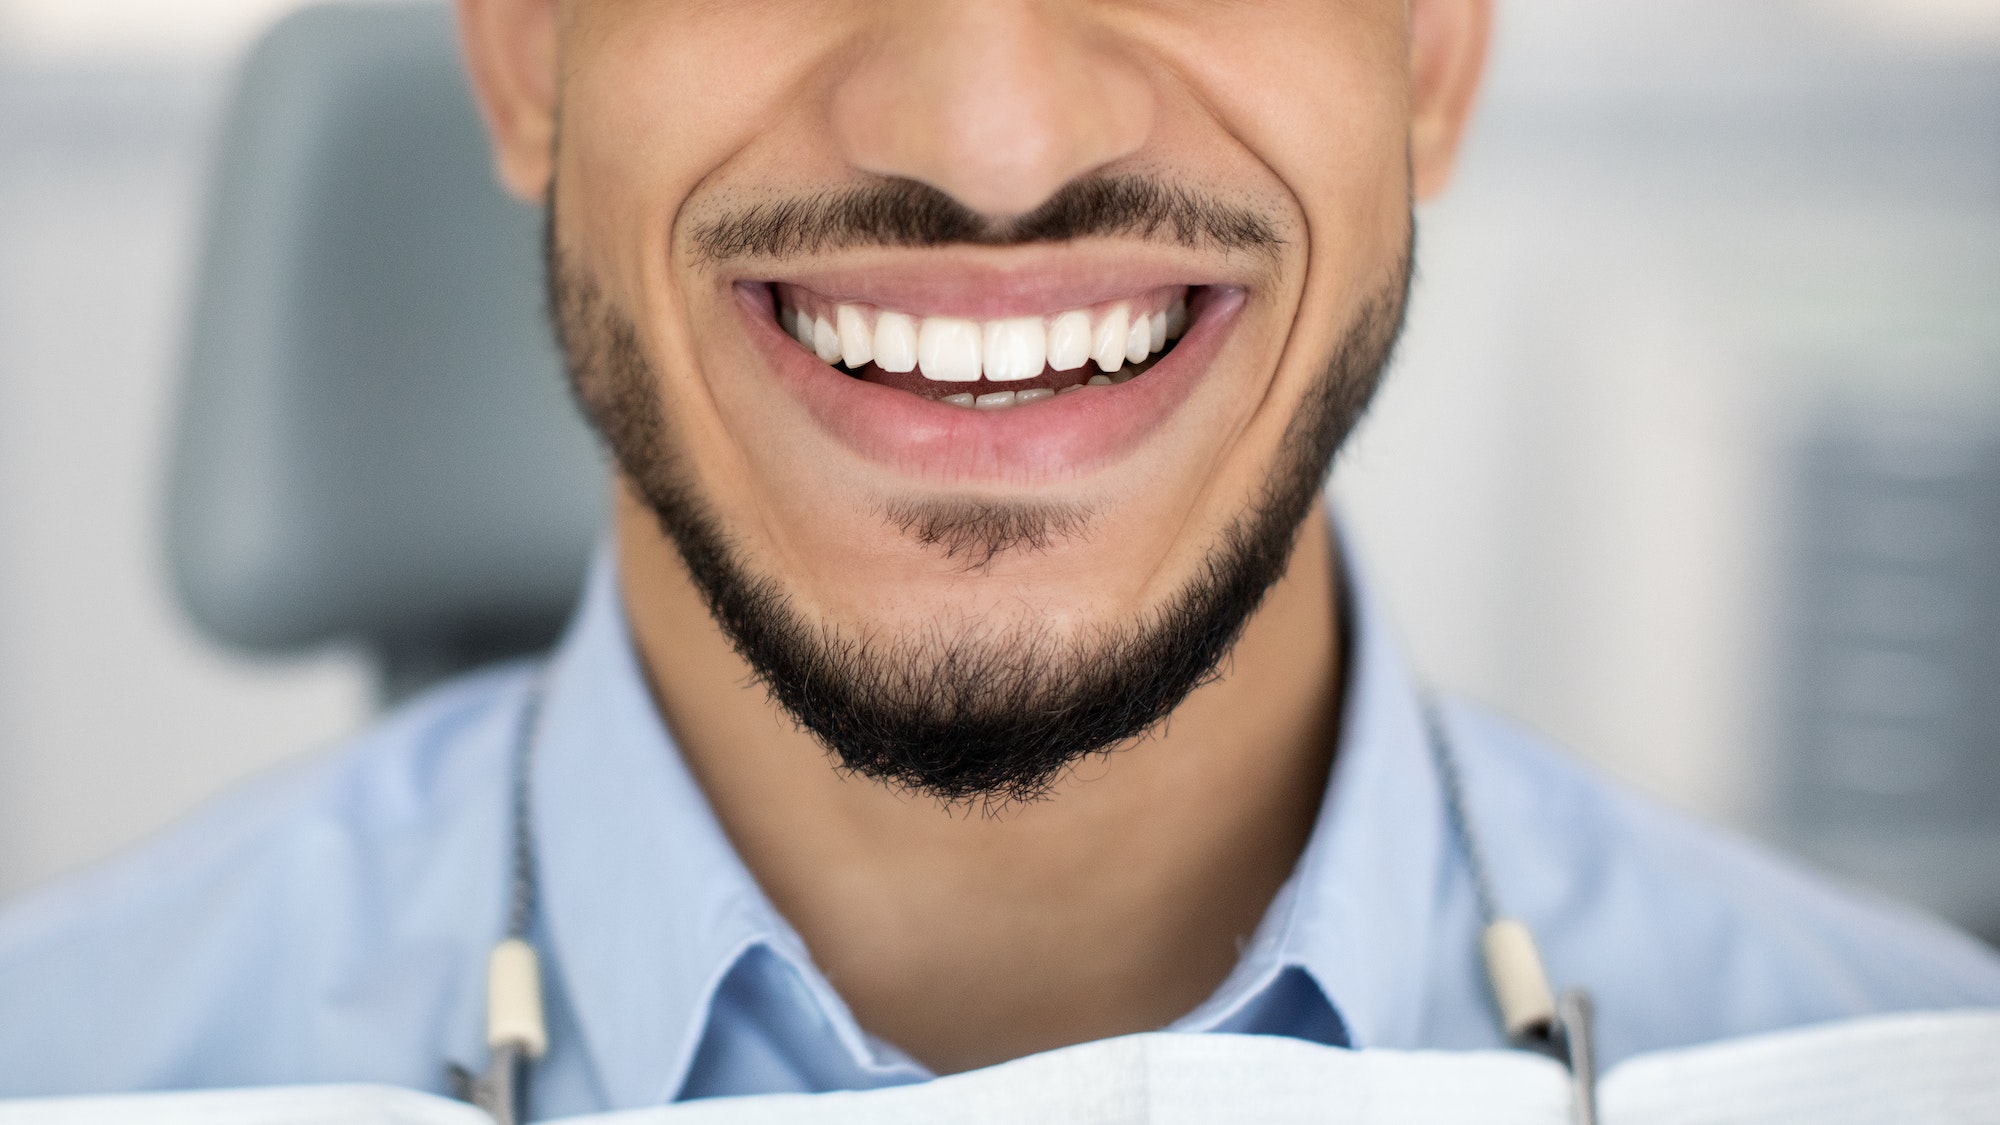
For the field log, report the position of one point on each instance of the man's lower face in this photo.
(982, 409)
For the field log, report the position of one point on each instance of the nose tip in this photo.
(997, 103)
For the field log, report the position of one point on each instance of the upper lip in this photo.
(985, 283)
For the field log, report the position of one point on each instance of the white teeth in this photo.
(1107, 345)
(1099, 381)
(895, 342)
(994, 401)
(1035, 395)
(958, 400)
(825, 341)
(857, 344)
(1069, 341)
(948, 349)
(1138, 341)
(1016, 349)
(959, 350)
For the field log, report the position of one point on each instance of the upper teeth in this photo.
(955, 350)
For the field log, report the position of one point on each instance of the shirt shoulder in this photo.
(324, 922)
(1685, 932)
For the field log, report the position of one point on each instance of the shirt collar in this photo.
(645, 904)
(1358, 913)
(646, 907)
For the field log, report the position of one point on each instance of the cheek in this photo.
(655, 98)
(1326, 122)
(1327, 115)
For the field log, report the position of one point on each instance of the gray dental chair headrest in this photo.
(375, 442)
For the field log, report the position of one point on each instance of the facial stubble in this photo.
(975, 714)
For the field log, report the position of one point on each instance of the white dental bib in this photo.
(1936, 1068)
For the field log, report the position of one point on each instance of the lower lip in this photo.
(1064, 436)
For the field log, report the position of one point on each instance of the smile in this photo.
(987, 364)
(974, 378)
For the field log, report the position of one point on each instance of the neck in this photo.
(1115, 905)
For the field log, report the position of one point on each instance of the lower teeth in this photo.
(1001, 400)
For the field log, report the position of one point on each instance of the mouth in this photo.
(960, 378)
(996, 364)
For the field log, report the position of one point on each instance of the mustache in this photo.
(906, 213)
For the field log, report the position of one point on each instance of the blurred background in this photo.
(1691, 456)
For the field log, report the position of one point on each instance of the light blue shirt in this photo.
(330, 923)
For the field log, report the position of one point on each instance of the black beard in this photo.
(979, 717)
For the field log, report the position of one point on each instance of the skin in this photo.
(972, 935)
